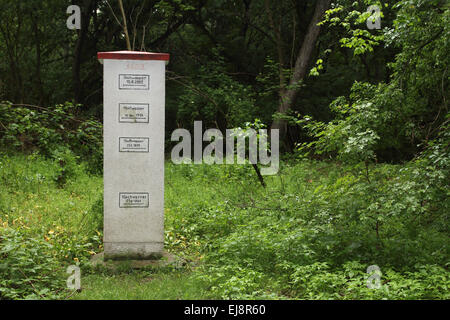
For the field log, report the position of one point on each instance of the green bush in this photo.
(51, 131)
(67, 164)
(315, 229)
(216, 98)
(28, 269)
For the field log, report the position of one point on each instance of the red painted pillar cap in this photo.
(132, 55)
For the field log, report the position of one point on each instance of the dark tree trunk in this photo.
(38, 78)
(287, 96)
(86, 13)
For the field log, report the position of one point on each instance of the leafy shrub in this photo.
(315, 229)
(67, 165)
(216, 98)
(71, 247)
(235, 282)
(349, 282)
(391, 121)
(46, 130)
(28, 269)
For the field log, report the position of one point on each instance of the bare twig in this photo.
(117, 19)
(125, 28)
(3, 125)
(143, 39)
(31, 283)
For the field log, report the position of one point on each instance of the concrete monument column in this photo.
(133, 118)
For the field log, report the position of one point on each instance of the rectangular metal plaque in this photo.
(133, 144)
(133, 200)
(133, 112)
(134, 81)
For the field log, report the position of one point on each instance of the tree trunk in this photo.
(125, 27)
(86, 13)
(288, 95)
(37, 77)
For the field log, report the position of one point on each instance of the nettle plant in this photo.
(352, 136)
(28, 268)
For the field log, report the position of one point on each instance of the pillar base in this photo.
(133, 250)
(166, 259)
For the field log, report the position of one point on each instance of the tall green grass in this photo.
(310, 234)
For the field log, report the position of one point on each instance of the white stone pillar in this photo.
(133, 136)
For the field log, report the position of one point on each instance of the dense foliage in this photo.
(311, 233)
(365, 128)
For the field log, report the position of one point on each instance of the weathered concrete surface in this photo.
(134, 98)
(165, 259)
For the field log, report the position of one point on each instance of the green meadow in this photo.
(310, 234)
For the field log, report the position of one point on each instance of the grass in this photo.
(142, 285)
(28, 192)
(308, 235)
